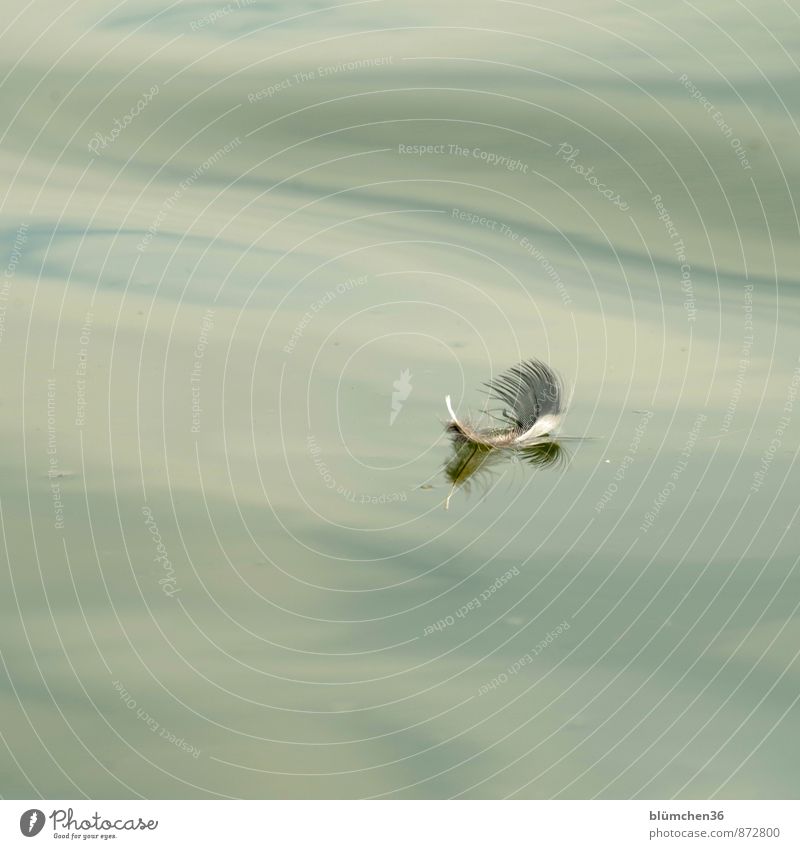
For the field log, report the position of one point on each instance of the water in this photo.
(230, 572)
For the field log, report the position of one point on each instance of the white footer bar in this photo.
(402, 824)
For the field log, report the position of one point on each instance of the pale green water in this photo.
(287, 642)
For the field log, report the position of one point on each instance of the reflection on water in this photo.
(227, 238)
(471, 463)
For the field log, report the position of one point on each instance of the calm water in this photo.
(236, 293)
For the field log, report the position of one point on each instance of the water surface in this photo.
(230, 232)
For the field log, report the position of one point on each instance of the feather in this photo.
(531, 395)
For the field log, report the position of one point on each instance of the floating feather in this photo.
(531, 394)
(531, 399)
